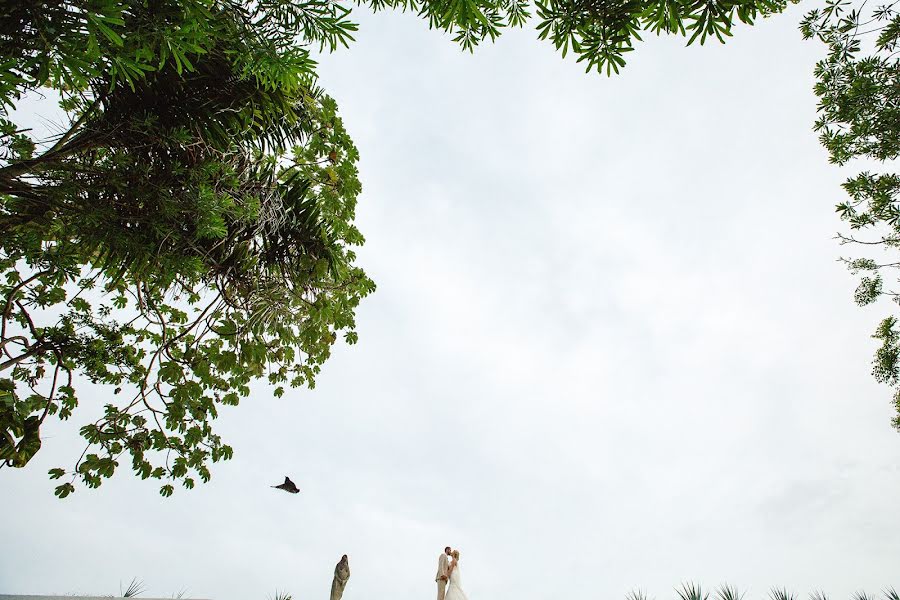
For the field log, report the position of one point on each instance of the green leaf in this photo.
(111, 35)
(64, 490)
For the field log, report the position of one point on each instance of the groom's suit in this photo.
(443, 571)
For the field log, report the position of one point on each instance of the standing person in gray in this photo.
(443, 573)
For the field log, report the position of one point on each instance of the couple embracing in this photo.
(448, 576)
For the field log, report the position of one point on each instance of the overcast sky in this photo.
(611, 347)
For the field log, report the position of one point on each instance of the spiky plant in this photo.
(692, 591)
(636, 594)
(135, 588)
(728, 592)
(780, 594)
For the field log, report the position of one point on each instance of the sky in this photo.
(611, 348)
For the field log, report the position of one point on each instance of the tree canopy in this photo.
(858, 85)
(191, 230)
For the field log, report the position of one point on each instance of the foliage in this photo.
(190, 232)
(728, 592)
(858, 85)
(780, 594)
(135, 588)
(599, 32)
(692, 591)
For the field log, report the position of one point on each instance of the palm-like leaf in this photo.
(728, 592)
(636, 594)
(692, 591)
(135, 588)
(780, 594)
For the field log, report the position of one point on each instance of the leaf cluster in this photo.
(190, 232)
(694, 591)
(602, 32)
(599, 32)
(858, 86)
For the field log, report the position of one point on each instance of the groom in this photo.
(442, 572)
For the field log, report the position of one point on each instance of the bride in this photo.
(454, 589)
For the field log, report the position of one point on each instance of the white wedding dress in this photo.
(454, 590)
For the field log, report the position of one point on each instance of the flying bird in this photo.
(288, 486)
